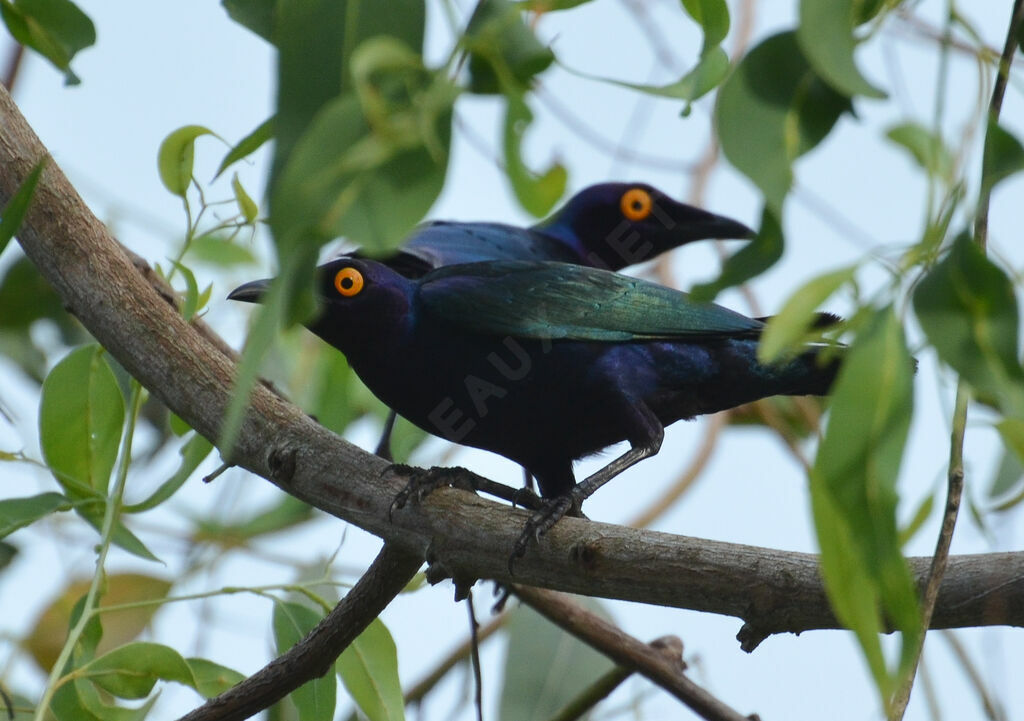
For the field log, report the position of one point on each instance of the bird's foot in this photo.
(526, 498)
(423, 481)
(550, 512)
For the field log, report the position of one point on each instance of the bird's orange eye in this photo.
(636, 203)
(348, 282)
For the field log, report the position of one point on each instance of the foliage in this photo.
(362, 130)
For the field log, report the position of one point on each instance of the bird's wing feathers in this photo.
(558, 300)
(443, 243)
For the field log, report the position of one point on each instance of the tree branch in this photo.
(126, 308)
(314, 656)
(664, 666)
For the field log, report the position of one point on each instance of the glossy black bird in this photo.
(609, 225)
(545, 363)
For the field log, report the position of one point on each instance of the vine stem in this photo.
(110, 516)
(955, 484)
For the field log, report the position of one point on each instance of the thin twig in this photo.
(993, 711)
(478, 700)
(593, 694)
(314, 656)
(955, 486)
(459, 654)
(994, 108)
(626, 651)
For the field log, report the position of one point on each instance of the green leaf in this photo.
(927, 148)
(1002, 157)
(190, 302)
(14, 212)
(788, 328)
(772, 110)
(547, 6)
(504, 54)
(754, 258)
(370, 185)
(704, 77)
(56, 29)
(247, 145)
(713, 16)
(193, 452)
(211, 678)
(50, 631)
(369, 670)
(924, 509)
(176, 155)
(967, 308)
(246, 205)
(7, 553)
(132, 670)
(285, 513)
(538, 193)
(316, 699)
(214, 250)
(315, 40)
(826, 37)
(17, 513)
(854, 498)
(545, 667)
(81, 415)
(1009, 473)
(256, 15)
(1011, 430)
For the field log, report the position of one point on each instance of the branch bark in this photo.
(662, 664)
(314, 656)
(132, 313)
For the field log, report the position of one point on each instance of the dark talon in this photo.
(550, 512)
(424, 481)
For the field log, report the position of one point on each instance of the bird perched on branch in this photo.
(544, 362)
(609, 225)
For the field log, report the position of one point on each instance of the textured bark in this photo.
(132, 314)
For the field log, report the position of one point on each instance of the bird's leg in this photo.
(384, 445)
(571, 503)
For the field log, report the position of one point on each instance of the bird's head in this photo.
(358, 299)
(613, 225)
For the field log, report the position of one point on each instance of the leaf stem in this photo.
(955, 485)
(110, 516)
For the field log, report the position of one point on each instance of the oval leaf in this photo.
(316, 699)
(132, 670)
(14, 212)
(174, 160)
(826, 37)
(771, 110)
(81, 415)
(788, 328)
(369, 670)
(854, 498)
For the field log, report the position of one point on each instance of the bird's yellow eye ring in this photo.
(348, 282)
(636, 203)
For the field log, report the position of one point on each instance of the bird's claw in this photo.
(423, 481)
(540, 522)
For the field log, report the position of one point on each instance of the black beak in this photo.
(698, 224)
(251, 292)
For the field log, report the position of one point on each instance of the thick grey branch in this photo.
(469, 537)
